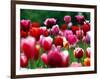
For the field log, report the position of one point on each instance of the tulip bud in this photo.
(78, 52)
(44, 58)
(67, 19)
(87, 62)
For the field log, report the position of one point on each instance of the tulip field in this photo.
(54, 39)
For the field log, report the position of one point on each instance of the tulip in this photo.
(58, 41)
(72, 40)
(65, 58)
(27, 46)
(44, 31)
(88, 52)
(86, 28)
(78, 52)
(23, 60)
(80, 19)
(49, 22)
(69, 24)
(79, 34)
(44, 58)
(23, 33)
(54, 58)
(63, 27)
(67, 18)
(66, 33)
(35, 32)
(87, 62)
(46, 43)
(76, 64)
(86, 38)
(65, 43)
(25, 24)
(55, 30)
(36, 52)
(35, 24)
(74, 29)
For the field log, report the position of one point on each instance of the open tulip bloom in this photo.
(50, 45)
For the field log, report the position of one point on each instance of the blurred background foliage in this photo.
(41, 15)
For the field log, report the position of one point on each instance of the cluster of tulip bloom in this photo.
(51, 43)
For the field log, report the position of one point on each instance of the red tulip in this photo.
(88, 52)
(78, 52)
(35, 24)
(87, 62)
(64, 27)
(79, 34)
(86, 28)
(75, 28)
(58, 41)
(44, 58)
(23, 60)
(27, 46)
(35, 32)
(23, 33)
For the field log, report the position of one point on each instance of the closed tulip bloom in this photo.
(80, 19)
(76, 64)
(67, 32)
(79, 34)
(54, 58)
(35, 24)
(86, 28)
(55, 30)
(88, 52)
(78, 52)
(86, 38)
(44, 58)
(72, 39)
(58, 41)
(65, 58)
(23, 60)
(35, 32)
(27, 46)
(49, 22)
(87, 62)
(47, 43)
(67, 18)
(74, 29)
(25, 24)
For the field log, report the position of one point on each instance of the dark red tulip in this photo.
(58, 41)
(74, 29)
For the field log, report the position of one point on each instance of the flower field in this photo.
(54, 39)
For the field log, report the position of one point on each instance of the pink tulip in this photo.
(65, 58)
(75, 64)
(87, 38)
(46, 43)
(54, 58)
(80, 19)
(27, 46)
(44, 58)
(66, 33)
(67, 19)
(49, 22)
(25, 24)
(23, 60)
(72, 39)
(55, 30)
